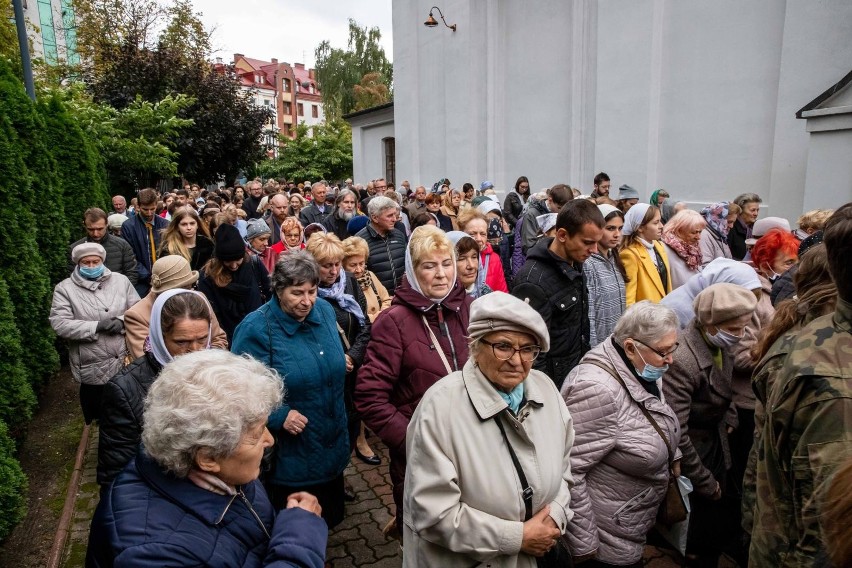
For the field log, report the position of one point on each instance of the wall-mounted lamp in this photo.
(431, 22)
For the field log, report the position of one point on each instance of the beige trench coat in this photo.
(463, 504)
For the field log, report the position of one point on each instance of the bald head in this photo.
(278, 203)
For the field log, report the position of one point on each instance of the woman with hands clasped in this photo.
(296, 334)
(488, 474)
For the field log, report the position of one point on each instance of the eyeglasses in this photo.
(660, 353)
(504, 351)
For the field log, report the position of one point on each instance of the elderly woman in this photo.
(355, 255)
(473, 222)
(749, 204)
(489, 429)
(451, 206)
(467, 264)
(605, 278)
(191, 497)
(296, 334)
(720, 217)
(698, 389)
(418, 340)
(180, 323)
(626, 437)
(681, 236)
(343, 292)
(87, 312)
(292, 237)
(235, 282)
(257, 243)
(646, 264)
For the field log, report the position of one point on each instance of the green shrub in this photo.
(13, 486)
(16, 396)
(22, 264)
(79, 171)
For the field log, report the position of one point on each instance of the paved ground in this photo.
(356, 542)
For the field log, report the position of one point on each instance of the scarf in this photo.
(345, 301)
(514, 397)
(716, 216)
(210, 482)
(691, 254)
(412, 276)
(365, 281)
(155, 343)
(633, 217)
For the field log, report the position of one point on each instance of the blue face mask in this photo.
(513, 398)
(723, 339)
(651, 373)
(92, 273)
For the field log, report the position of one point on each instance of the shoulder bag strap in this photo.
(437, 345)
(641, 406)
(527, 491)
(343, 336)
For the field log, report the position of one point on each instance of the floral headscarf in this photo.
(716, 216)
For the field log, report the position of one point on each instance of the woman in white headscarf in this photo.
(180, 323)
(646, 265)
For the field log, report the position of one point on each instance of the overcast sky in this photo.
(289, 30)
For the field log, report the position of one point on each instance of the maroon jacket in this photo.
(401, 362)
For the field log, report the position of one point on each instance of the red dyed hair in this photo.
(769, 245)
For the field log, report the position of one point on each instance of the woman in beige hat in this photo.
(478, 435)
(698, 388)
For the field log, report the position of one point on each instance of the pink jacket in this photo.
(619, 461)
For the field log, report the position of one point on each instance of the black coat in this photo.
(387, 255)
(513, 208)
(357, 335)
(736, 240)
(250, 205)
(121, 416)
(336, 225)
(201, 253)
(557, 290)
(249, 289)
(310, 214)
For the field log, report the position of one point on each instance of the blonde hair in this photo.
(814, 219)
(683, 222)
(325, 247)
(356, 246)
(172, 240)
(428, 239)
(469, 215)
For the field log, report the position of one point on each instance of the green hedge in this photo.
(17, 400)
(13, 486)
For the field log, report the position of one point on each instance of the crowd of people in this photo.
(555, 377)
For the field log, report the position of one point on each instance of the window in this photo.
(315, 111)
(285, 85)
(300, 109)
(390, 159)
(288, 108)
(48, 31)
(313, 89)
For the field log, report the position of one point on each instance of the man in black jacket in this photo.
(252, 200)
(119, 254)
(318, 210)
(552, 282)
(387, 243)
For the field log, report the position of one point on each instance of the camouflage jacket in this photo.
(806, 435)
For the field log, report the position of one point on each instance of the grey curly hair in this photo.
(206, 400)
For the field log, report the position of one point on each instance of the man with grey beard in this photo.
(344, 210)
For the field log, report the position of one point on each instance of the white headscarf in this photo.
(633, 217)
(155, 328)
(412, 276)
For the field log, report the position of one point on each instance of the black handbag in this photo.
(558, 556)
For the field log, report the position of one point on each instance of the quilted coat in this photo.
(149, 519)
(401, 364)
(463, 504)
(78, 305)
(309, 357)
(619, 461)
(643, 279)
(387, 255)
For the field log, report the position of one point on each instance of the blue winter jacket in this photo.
(309, 357)
(151, 519)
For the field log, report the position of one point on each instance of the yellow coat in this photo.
(644, 281)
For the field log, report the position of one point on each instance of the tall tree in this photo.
(338, 70)
(370, 92)
(323, 151)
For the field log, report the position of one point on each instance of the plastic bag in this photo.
(676, 534)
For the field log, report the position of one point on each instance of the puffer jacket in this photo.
(619, 461)
(120, 427)
(309, 357)
(494, 277)
(387, 256)
(119, 256)
(78, 305)
(557, 291)
(401, 364)
(150, 519)
(529, 230)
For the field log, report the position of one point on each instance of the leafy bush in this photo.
(13, 486)
(22, 264)
(79, 171)
(16, 396)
